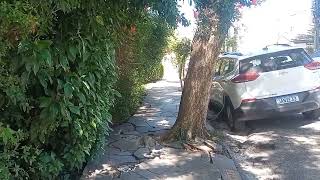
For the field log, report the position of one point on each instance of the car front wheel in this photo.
(234, 124)
(312, 115)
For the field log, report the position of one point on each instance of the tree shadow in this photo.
(286, 147)
(180, 164)
(170, 164)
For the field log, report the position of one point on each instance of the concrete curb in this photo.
(231, 154)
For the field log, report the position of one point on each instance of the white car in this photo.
(264, 84)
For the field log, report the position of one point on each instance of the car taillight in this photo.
(249, 100)
(314, 65)
(249, 76)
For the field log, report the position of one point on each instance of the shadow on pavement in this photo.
(285, 147)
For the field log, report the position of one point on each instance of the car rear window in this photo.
(275, 61)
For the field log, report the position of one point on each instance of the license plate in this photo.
(287, 99)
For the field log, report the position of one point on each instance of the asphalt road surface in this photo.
(278, 148)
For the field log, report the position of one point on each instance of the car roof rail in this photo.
(284, 45)
(232, 53)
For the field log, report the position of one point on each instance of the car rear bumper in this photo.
(264, 108)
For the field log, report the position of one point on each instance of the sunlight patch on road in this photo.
(162, 84)
(262, 173)
(164, 122)
(304, 140)
(314, 126)
(238, 138)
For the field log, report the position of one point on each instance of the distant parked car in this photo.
(268, 83)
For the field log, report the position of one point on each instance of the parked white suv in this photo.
(264, 84)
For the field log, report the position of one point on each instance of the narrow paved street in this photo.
(279, 148)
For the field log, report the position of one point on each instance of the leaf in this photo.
(43, 81)
(93, 124)
(108, 116)
(25, 107)
(43, 44)
(85, 56)
(65, 112)
(64, 124)
(75, 109)
(117, 94)
(99, 20)
(28, 67)
(72, 52)
(46, 56)
(64, 62)
(86, 84)
(24, 78)
(35, 68)
(60, 84)
(97, 73)
(45, 102)
(54, 109)
(92, 79)
(82, 98)
(45, 114)
(68, 89)
(24, 46)
(7, 135)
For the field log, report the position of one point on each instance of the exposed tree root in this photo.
(185, 135)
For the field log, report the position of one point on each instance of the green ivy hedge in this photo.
(59, 76)
(56, 87)
(57, 69)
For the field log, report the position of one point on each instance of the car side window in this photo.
(227, 66)
(217, 68)
(222, 67)
(230, 66)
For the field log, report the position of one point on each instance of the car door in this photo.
(231, 90)
(217, 92)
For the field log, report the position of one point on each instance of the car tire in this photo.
(233, 123)
(311, 115)
(212, 107)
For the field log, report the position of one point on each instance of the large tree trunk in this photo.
(195, 95)
(206, 47)
(181, 74)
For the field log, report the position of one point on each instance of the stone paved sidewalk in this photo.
(134, 152)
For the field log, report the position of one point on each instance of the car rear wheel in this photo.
(211, 105)
(215, 109)
(311, 115)
(234, 124)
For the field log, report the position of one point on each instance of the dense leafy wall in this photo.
(57, 76)
(57, 73)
